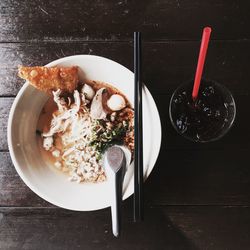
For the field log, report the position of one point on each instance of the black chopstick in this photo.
(138, 153)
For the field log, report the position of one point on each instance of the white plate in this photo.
(39, 175)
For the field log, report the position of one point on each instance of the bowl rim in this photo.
(11, 146)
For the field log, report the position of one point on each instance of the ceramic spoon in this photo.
(115, 165)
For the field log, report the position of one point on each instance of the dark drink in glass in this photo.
(206, 119)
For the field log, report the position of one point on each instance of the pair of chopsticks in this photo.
(138, 132)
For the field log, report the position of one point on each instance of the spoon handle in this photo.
(116, 205)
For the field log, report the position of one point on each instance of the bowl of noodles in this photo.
(57, 141)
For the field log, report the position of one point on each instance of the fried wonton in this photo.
(48, 79)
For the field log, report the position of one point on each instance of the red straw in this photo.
(201, 60)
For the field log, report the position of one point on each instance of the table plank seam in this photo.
(149, 206)
(116, 41)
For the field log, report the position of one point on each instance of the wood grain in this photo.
(190, 177)
(13, 191)
(165, 64)
(5, 105)
(195, 177)
(59, 20)
(212, 228)
(174, 227)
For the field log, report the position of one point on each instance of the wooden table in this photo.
(198, 195)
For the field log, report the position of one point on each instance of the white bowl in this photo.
(37, 172)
